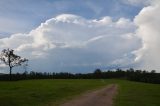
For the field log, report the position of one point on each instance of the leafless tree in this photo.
(8, 57)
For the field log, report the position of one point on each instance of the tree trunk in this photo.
(10, 73)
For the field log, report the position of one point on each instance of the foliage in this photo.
(11, 59)
(8, 57)
(130, 74)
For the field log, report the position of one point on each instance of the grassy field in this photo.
(137, 94)
(43, 92)
(53, 92)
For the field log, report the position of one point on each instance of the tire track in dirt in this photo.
(101, 97)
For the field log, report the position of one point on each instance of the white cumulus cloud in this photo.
(72, 43)
(148, 22)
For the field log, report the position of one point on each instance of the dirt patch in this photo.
(102, 97)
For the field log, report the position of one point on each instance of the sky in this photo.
(80, 36)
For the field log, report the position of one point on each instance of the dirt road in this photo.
(102, 97)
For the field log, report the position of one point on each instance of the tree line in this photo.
(129, 74)
(9, 58)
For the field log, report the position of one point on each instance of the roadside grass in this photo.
(137, 94)
(44, 92)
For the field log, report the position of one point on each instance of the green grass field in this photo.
(53, 92)
(137, 94)
(43, 92)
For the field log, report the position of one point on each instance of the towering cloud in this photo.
(148, 22)
(72, 43)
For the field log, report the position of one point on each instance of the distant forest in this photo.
(130, 74)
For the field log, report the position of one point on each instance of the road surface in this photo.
(101, 97)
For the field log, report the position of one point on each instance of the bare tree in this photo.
(8, 57)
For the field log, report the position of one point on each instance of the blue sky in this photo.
(24, 15)
(80, 36)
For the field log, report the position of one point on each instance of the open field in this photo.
(54, 92)
(43, 92)
(137, 94)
